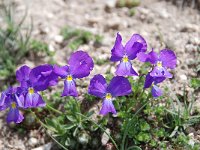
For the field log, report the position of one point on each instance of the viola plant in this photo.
(33, 81)
(139, 121)
(161, 62)
(80, 65)
(126, 53)
(10, 99)
(166, 59)
(119, 86)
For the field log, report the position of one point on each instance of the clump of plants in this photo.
(134, 113)
(74, 37)
(16, 43)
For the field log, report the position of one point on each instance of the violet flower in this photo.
(9, 99)
(33, 81)
(80, 65)
(153, 81)
(126, 53)
(119, 86)
(166, 59)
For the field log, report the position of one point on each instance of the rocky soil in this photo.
(161, 23)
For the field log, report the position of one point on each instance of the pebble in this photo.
(190, 28)
(51, 47)
(197, 106)
(164, 14)
(189, 48)
(1, 144)
(113, 24)
(58, 38)
(110, 3)
(194, 41)
(190, 131)
(47, 146)
(33, 141)
(183, 77)
(105, 138)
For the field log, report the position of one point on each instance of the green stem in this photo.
(53, 109)
(140, 78)
(127, 126)
(113, 141)
(45, 126)
(136, 147)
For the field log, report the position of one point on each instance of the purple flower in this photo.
(166, 59)
(33, 81)
(80, 65)
(119, 86)
(126, 53)
(9, 99)
(153, 81)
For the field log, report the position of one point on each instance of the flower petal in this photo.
(107, 107)
(97, 86)
(148, 81)
(80, 64)
(151, 57)
(159, 79)
(160, 72)
(118, 49)
(34, 100)
(61, 71)
(20, 101)
(119, 86)
(125, 69)
(168, 58)
(22, 74)
(14, 115)
(70, 89)
(41, 77)
(80, 71)
(135, 45)
(156, 92)
(3, 98)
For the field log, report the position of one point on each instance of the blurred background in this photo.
(35, 32)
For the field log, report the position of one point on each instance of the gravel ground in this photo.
(179, 30)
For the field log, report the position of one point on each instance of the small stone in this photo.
(190, 28)
(189, 48)
(112, 70)
(47, 146)
(113, 23)
(44, 30)
(105, 138)
(197, 106)
(94, 20)
(33, 141)
(170, 44)
(194, 41)
(190, 131)
(183, 77)
(111, 3)
(59, 39)
(164, 14)
(191, 142)
(51, 48)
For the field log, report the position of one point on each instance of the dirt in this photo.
(161, 23)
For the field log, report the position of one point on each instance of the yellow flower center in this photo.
(108, 96)
(125, 59)
(159, 64)
(31, 91)
(13, 105)
(69, 78)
